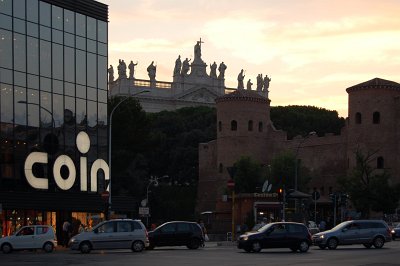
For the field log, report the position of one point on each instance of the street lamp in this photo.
(312, 133)
(152, 180)
(109, 144)
(47, 110)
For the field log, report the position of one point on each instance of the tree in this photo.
(249, 175)
(369, 190)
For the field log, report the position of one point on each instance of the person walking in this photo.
(66, 228)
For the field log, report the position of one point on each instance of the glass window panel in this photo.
(102, 48)
(45, 84)
(5, 22)
(102, 72)
(33, 108)
(69, 21)
(19, 8)
(19, 26)
(32, 29)
(69, 110)
(91, 46)
(81, 112)
(33, 82)
(91, 94)
(6, 76)
(58, 61)
(58, 86)
(80, 67)
(57, 18)
(58, 109)
(58, 36)
(45, 58)
(19, 52)
(92, 113)
(5, 48)
(45, 33)
(6, 103)
(19, 79)
(33, 55)
(69, 88)
(45, 14)
(20, 106)
(102, 31)
(6, 7)
(69, 40)
(33, 7)
(80, 25)
(102, 114)
(91, 28)
(46, 119)
(80, 43)
(102, 96)
(91, 70)
(69, 64)
(81, 91)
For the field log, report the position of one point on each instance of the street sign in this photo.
(316, 195)
(230, 183)
(144, 211)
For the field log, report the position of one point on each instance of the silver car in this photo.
(112, 234)
(367, 232)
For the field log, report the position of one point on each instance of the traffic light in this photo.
(280, 194)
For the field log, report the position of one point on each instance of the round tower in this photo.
(373, 124)
(243, 120)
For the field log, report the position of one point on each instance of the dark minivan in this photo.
(177, 233)
(295, 236)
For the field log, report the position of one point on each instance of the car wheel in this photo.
(332, 243)
(6, 248)
(367, 245)
(322, 246)
(85, 247)
(48, 247)
(378, 242)
(304, 246)
(256, 247)
(194, 244)
(137, 246)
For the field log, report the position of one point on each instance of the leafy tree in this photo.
(283, 171)
(300, 120)
(369, 190)
(249, 175)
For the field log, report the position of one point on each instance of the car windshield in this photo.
(341, 225)
(264, 228)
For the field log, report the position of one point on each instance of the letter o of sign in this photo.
(62, 183)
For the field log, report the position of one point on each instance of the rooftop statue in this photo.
(266, 82)
(121, 69)
(240, 79)
(110, 74)
(178, 65)
(151, 71)
(221, 69)
(213, 70)
(132, 69)
(259, 82)
(197, 50)
(185, 67)
(249, 84)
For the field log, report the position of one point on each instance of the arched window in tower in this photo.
(358, 118)
(220, 168)
(380, 162)
(219, 126)
(376, 118)
(250, 126)
(260, 126)
(233, 125)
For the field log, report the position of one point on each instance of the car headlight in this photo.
(392, 232)
(245, 238)
(73, 240)
(321, 236)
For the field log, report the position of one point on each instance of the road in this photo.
(212, 255)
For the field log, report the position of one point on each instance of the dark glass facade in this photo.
(53, 85)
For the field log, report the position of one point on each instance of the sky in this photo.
(311, 49)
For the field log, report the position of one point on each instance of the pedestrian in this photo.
(66, 228)
(203, 228)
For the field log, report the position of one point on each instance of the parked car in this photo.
(177, 233)
(295, 236)
(112, 234)
(30, 237)
(395, 231)
(313, 227)
(367, 232)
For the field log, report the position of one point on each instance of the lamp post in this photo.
(152, 180)
(109, 144)
(47, 110)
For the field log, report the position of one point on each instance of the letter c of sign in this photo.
(36, 182)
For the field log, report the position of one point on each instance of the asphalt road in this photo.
(212, 255)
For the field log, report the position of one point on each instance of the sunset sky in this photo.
(312, 49)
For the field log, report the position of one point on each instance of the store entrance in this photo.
(267, 212)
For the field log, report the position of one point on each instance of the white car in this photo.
(30, 237)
